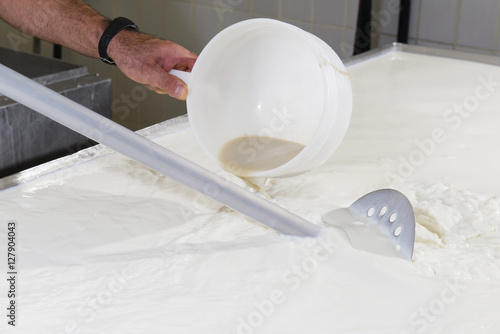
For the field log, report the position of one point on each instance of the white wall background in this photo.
(470, 25)
(465, 25)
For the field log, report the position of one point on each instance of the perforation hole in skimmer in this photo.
(383, 211)
(370, 211)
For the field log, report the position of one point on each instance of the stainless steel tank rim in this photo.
(154, 131)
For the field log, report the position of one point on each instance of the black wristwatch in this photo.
(114, 28)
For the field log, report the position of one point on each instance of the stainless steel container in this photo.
(28, 138)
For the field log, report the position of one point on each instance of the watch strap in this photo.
(114, 28)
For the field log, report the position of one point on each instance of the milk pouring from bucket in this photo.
(267, 99)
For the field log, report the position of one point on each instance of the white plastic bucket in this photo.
(267, 78)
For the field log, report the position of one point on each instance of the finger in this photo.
(190, 62)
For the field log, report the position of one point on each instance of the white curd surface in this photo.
(109, 246)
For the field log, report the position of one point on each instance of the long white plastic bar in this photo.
(102, 130)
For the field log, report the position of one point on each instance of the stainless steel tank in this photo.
(28, 138)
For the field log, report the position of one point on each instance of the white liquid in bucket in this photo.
(244, 155)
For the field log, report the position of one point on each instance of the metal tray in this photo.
(443, 53)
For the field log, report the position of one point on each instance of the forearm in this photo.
(73, 24)
(70, 23)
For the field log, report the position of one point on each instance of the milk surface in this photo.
(109, 246)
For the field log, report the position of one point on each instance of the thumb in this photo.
(181, 90)
(173, 86)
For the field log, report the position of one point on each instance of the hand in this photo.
(147, 60)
